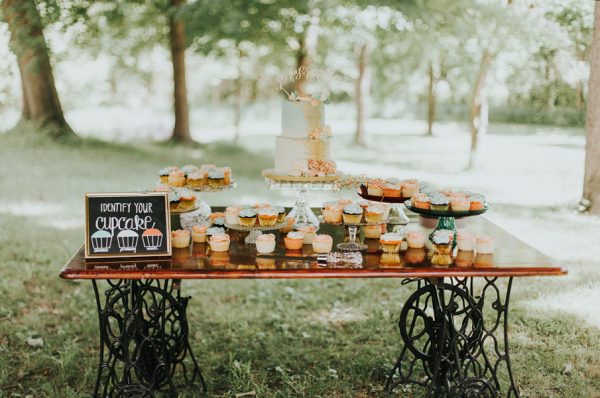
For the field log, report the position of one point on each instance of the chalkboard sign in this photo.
(127, 225)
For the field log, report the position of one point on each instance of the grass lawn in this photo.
(321, 338)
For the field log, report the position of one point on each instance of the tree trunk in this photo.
(238, 97)
(302, 60)
(308, 49)
(40, 99)
(362, 90)
(477, 101)
(431, 100)
(580, 101)
(181, 130)
(591, 179)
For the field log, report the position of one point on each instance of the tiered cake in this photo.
(303, 148)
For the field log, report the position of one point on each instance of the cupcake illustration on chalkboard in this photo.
(127, 240)
(101, 241)
(152, 239)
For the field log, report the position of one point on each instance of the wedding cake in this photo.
(304, 147)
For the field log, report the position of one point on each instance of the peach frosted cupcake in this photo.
(421, 201)
(180, 238)
(477, 202)
(390, 242)
(322, 244)
(187, 200)
(294, 240)
(485, 245)
(176, 178)
(219, 242)
(415, 239)
(265, 243)
(460, 204)
(199, 233)
(375, 187)
(465, 241)
(231, 215)
(374, 213)
(309, 232)
(267, 217)
(392, 190)
(333, 214)
(352, 214)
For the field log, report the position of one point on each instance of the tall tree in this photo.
(181, 129)
(591, 183)
(40, 99)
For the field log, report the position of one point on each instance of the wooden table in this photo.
(454, 327)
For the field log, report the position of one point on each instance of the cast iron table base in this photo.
(144, 339)
(455, 339)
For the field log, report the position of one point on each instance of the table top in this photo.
(512, 257)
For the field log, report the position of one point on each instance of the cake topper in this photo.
(317, 88)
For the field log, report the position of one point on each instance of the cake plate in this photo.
(301, 212)
(208, 188)
(446, 219)
(397, 215)
(254, 231)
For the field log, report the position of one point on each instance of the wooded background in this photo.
(478, 61)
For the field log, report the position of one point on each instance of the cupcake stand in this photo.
(301, 212)
(446, 220)
(351, 244)
(254, 231)
(201, 210)
(397, 215)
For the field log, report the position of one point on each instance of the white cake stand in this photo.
(301, 212)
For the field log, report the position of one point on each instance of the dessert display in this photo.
(180, 238)
(345, 211)
(322, 244)
(206, 177)
(447, 203)
(265, 243)
(391, 190)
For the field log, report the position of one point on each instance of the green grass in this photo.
(321, 338)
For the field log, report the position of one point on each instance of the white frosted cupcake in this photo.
(231, 215)
(465, 241)
(322, 244)
(219, 243)
(415, 239)
(265, 243)
(199, 233)
(180, 238)
(390, 242)
(485, 245)
(372, 231)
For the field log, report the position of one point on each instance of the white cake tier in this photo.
(298, 118)
(289, 150)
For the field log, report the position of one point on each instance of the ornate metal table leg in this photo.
(143, 340)
(452, 343)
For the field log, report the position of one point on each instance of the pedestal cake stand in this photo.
(255, 230)
(301, 212)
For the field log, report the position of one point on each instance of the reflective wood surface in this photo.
(512, 257)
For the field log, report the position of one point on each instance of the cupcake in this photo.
(352, 214)
(187, 200)
(309, 232)
(180, 238)
(219, 242)
(421, 201)
(485, 245)
(214, 231)
(415, 239)
(174, 200)
(164, 174)
(265, 243)
(372, 231)
(176, 178)
(231, 215)
(390, 260)
(196, 179)
(465, 241)
(280, 213)
(217, 219)
(216, 178)
(464, 258)
(294, 240)
(322, 244)
(226, 175)
(439, 203)
(189, 169)
(199, 233)
(374, 214)
(410, 188)
(477, 202)
(415, 256)
(460, 204)
(392, 190)
(267, 217)
(247, 217)
(152, 239)
(442, 248)
(332, 214)
(390, 242)
(375, 187)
